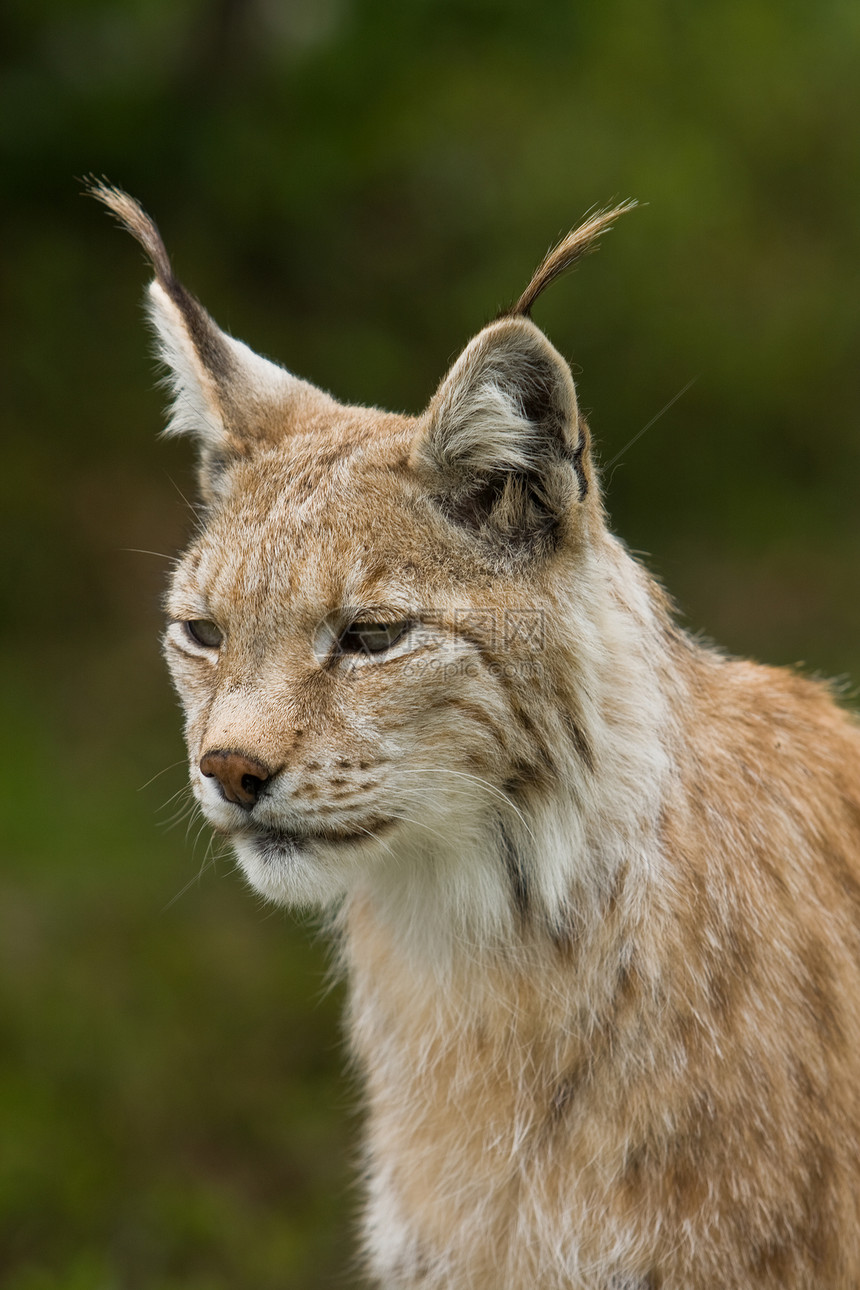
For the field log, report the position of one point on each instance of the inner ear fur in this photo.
(501, 446)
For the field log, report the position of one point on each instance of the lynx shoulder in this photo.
(596, 887)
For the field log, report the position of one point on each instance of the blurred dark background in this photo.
(354, 187)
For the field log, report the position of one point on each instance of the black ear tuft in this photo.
(578, 242)
(227, 398)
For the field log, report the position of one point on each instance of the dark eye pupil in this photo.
(205, 632)
(371, 638)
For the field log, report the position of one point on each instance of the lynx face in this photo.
(371, 636)
(350, 669)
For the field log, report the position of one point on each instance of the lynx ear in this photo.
(501, 446)
(223, 394)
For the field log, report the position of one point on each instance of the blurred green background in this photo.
(354, 187)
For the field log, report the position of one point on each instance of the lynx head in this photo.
(375, 634)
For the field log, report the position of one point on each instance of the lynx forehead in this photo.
(596, 887)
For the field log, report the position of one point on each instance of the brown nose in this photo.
(239, 777)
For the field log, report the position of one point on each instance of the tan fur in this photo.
(596, 887)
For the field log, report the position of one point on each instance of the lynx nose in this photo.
(240, 778)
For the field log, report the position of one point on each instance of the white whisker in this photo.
(136, 550)
(476, 779)
(159, 773)
(210, 859)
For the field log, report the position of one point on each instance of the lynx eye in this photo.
(204, 632)
(371, 638)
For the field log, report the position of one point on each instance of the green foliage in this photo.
(354, 187)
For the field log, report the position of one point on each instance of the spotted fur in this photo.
(596, 887)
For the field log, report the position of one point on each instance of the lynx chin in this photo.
(595, 886)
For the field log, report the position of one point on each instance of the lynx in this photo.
(594, 885)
